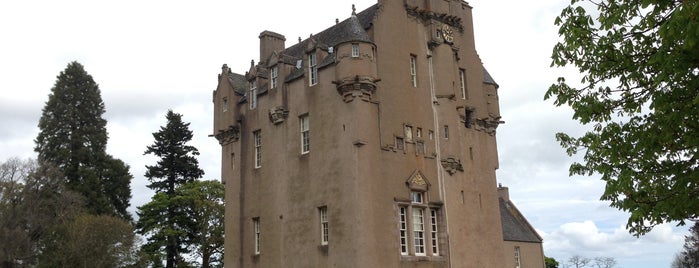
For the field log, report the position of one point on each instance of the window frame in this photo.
(418, 226)
(462, 82)
(413, 70)
(312, 68)
(355, 50)
(274, 76)
(257, 145)
(253, 94)
(256, 235)
(518, 257)
(324, 225)
(305, 130)
(403, 230)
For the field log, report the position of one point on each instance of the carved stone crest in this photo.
(231, 134)
(278, 114)
(451, 165)
(417, 181)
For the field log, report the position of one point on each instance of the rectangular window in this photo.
(446, 131)
(256, 229)
(416, 197)
(517, 258)
(313, 68)
(431, 134)
(433, 232)
(419, 231)
(257, 137)
(253, 95)
(274, 73)
(400, 144)
(418, 132)
(403, 225)
(323, 213)
(224, 105)
(462, 83)
(305, 134)
(420, 147)
(355, 50)
(468, 118)
(413, 70)
(408, 133)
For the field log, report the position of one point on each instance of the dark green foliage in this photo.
(639, 92)
(203, 202)
(90, 241)
(689, 257)
(33, 201)
(550, 262)
(165, 218)
(73, 137)
(178, 163)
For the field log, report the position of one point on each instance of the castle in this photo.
(369, 144)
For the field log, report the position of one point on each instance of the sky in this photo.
(151, 56)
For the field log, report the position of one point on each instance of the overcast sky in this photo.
(151, 56)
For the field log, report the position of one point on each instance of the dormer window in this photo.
(355, 50)
(312, 68)
(253, 94)
(274, 74)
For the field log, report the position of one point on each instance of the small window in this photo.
(408, 133)
(403, 227)
(256, 229)
(420, 147)
(416, 197)
(462, 83)
(517, 258)
(224, 105)
(257, 137)
(446, 131)
(274, 73)
(413, 70)
(400, 144)
(355, 50)
(253, 94)
(418, 132)
(433, 232)
(305, 134)
(431, 134)
(313, 68)
(323, 215)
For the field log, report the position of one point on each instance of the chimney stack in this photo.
(270, 42)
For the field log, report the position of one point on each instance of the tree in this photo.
(203, 202)
(162, 218)
(639, 62)
(73, 137)
(33, 201)
(605, 262)
(689, 257)
(91, 241)
(578, 261)
(550, 262)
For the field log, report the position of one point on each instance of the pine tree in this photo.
(690, 255)
(73, 137)
(177, 166)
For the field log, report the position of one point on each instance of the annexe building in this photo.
(369, 144)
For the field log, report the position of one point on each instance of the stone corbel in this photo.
(451, 165)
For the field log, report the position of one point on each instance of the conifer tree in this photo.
(73, 137)
(690, 256)
(162, 218)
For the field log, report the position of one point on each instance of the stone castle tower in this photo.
(369, 144)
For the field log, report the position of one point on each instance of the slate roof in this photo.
(514, 226)
(489, 79)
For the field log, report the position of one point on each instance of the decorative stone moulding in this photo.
(426, 16)
(488, 124)
(358, 87)
(231, 134)
(451, 165)
(278, 114)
